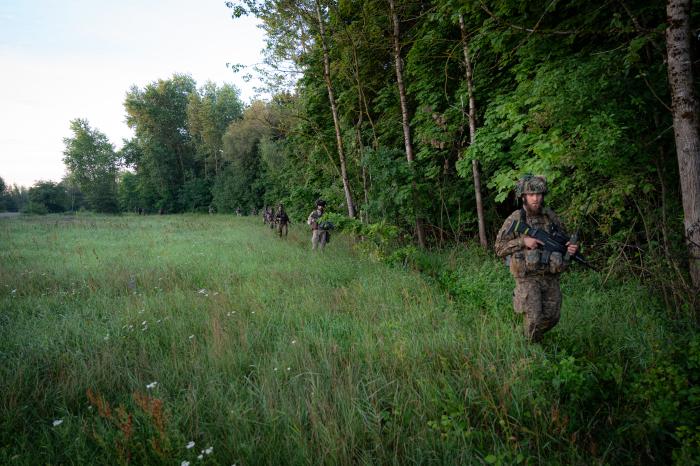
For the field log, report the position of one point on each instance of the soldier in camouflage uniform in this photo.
(537, 294)
(282, 221)
(318, 236)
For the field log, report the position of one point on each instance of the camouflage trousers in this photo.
(539, 299)
(318, 239)
(282, 227)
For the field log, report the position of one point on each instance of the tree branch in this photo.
(521, 28)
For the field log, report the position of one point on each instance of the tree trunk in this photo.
(360, 154)
(334, 111)
(685, 125)
(472, 135)
(404, 111)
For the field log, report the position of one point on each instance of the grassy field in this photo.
(128, 339)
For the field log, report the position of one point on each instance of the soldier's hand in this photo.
(572, 249)
(531, 243)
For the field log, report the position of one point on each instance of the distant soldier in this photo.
(536, 271)
(270, 216)
(319, 236)
(239, 212)
(211, 209)
(282, 221)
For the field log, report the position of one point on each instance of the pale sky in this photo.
(61, 60)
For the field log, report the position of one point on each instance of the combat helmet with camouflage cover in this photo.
(531, 184)
(320, 203)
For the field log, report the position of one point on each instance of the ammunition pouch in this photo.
(533, 258)
(557, 264)
(517, 264)
(535, 262)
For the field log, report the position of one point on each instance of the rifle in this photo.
(551, 242)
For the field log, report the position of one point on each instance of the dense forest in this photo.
(414, 119)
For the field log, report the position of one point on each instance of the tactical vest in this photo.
(531, 262)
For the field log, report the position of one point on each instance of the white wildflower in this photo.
(185, 463)
(199, 457)
(190, 444)
(202, 291)
(151, 385)
(57, 422)
(208, 451)
(191, 337)
(143, 323)
(294, 342)
(289, 368)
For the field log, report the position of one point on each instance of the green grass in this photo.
(272, 354)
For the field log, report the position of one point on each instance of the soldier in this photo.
(239, 212)
(282, 220)
(537, 294)
(270, 216)
(318, 235)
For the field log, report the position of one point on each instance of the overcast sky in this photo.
(61, 60)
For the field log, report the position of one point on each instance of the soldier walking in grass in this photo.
(319, 236)
(536, 271)
(269, 218)
(282, 221)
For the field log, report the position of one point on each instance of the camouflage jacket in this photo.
(282, 218)
(524, 262)
(314, 218)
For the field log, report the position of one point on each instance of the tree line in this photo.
(415, 118)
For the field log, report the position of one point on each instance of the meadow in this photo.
(208, 340)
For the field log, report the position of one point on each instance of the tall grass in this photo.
(272, 354)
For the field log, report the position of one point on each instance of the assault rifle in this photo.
(551, 242)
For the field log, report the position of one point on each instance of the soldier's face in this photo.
(533, 202)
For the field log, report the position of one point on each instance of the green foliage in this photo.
(92, 166)
(166, 159)
(3, 195)
(16, 198)
(209, 112)
(47, 197)
(669, 394)
(195, 195)
(128, 192)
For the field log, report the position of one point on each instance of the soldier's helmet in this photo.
(320, 203)
(531, 184)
